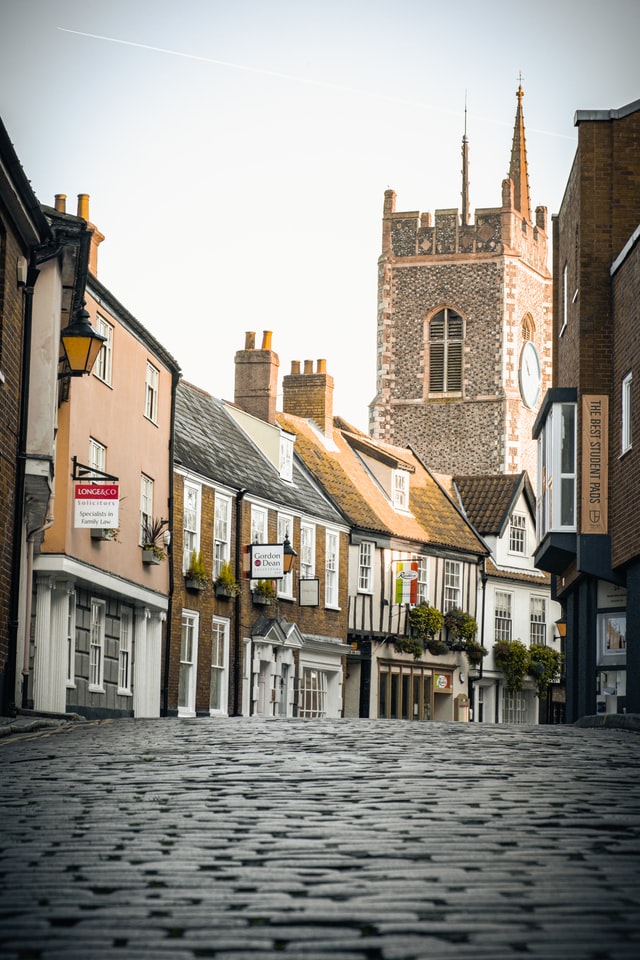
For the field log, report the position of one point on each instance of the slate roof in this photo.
(488, 500)
(210, 443)
(340, 470)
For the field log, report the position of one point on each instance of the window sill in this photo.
(124, 693)
(93, 688)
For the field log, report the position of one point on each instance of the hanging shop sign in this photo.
(407, 581)
(442, 682)
(266, 561)
(96, 505)
(595, 464)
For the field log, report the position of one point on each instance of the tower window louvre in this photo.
(446, 336)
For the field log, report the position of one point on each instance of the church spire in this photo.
(518, 171)
(465, 170)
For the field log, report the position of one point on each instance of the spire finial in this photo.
(465, 169)
(518, 171)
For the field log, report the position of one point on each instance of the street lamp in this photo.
(81, 345)
(288, 555)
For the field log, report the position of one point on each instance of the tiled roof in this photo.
(210, 443)
(341, 471)
(538, 577)
(488, 500)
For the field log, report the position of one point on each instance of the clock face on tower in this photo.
(530, 376)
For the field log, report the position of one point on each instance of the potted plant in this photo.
(196, 574)
(409, 645)
(263, 592)
(226, 583)
(425, 622)
(475, 652)
(544, 667)
(461, 628)
(437, 647)
(153, 550)
(512, 658)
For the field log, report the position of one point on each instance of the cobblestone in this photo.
(349, 840)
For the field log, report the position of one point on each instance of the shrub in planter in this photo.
(425, 621)
(475, 651)
(410, 645)
(196, 572)
(226, 583)
(462, 626)
(437, 647)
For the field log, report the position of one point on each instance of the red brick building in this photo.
(588, 428)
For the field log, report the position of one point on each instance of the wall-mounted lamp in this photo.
(561, 627)
(289, 555)
(81, 345)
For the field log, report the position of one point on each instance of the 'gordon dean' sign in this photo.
(266, 561)
(96, 505)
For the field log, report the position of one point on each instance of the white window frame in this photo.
(503, 616)
(285, 529)
(146, 504)
(366, 553)
(452, 585)
(565, 299)
(557, 466)
(125, 651)
(189, 630)
(312, 693)
(307, 550)
(259, 524)
(103, 367)
(221, 532)
(286, 456)
(97, 456)
(538, 620)
(627, 398)
(219, 666)
(71, 640)
(423, 579)
(151, 390)
(518, 534)
(332, 569)
(514, 706)
(400, 482)
(98, 615)
(190, 522)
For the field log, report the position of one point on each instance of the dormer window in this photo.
(401, 489)
(286, 456)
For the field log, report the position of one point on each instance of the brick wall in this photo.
(624, 478)
(11, 334)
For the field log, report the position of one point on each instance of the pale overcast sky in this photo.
(236, 153)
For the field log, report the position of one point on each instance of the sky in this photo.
(236, 154)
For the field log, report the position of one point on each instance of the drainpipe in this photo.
(28, 602)
(236, 626)
(164, 707)
(483, 577)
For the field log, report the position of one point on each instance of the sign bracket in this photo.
(81, 472)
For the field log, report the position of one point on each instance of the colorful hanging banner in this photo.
(407, 581)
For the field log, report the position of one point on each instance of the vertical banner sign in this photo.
(594, 515)
(407, 581)
(96, 505)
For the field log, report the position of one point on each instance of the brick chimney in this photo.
(256, 380)
(309, 394)
(96, 236)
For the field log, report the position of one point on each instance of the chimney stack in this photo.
(310, 395)
(256, 379)
(96, 236)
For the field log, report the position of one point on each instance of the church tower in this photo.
(464, 327)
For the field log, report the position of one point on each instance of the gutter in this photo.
(237, 677)
(164, 706)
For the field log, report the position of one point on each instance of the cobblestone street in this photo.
(349, 840)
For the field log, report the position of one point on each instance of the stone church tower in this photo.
(464, 328)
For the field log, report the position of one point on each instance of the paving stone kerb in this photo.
(348, 839)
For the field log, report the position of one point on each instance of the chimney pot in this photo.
(322, 366)
(61, 202)
(249, 341)
(266, 340)
(83, 206)
(308, 366)
(295, 367)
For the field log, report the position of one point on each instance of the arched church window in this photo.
(528, 327)
(446, 335)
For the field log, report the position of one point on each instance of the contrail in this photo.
(291, 77)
